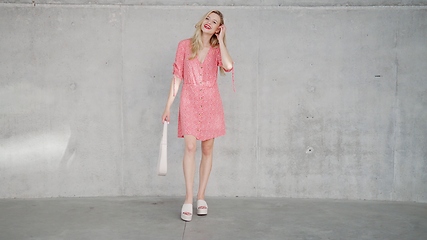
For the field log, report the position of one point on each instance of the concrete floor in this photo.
(228, 218)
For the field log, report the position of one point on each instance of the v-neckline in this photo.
(201, 62)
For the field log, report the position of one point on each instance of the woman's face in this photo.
(211, 23)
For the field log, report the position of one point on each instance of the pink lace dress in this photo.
(200, 110)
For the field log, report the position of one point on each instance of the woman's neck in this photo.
(206, 40)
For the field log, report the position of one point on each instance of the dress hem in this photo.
(204, 139)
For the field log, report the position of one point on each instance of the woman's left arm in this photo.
(227, 62)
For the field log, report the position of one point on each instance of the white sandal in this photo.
(202, 207)
(187, 212)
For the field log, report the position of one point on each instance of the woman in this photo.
(201, 115)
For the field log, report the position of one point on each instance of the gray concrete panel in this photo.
(60, 95)
(327, 103)
(234, 172)
(410, 113)
(150, 38)
(147, 72)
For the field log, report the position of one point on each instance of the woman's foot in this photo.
(202, 207)
(187, 212)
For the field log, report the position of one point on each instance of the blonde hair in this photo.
(196, 40)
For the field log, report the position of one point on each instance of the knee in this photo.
(190, 147)
(207, 150)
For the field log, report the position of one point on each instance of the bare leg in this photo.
(189, 166)
(205, 167)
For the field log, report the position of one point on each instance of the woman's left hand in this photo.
(221, 33)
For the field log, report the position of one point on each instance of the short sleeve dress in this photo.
(201, 113)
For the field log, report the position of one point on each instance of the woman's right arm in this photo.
(174, 87)
(178, 75)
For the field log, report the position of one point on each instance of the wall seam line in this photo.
(257, 145)
(266, 6)
(395, 115)
(346, 7)
(122, 190)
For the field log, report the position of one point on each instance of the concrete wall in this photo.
(330, 103)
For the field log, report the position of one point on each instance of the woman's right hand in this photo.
(166, 116)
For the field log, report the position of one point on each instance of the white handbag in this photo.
(162, 164)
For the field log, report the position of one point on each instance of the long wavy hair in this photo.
(196, 40)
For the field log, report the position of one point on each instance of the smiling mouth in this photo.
(207, 26)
